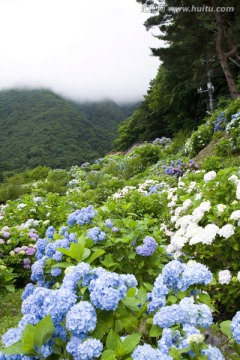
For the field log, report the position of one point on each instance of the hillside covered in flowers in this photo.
(131, 257)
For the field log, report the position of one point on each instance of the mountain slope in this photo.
(38, 127)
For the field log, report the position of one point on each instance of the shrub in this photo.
(223, 148)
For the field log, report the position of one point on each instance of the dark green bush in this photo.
(223, 148)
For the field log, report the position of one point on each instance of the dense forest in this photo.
(38, 127)
(199, 48)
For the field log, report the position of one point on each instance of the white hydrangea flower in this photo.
(186, 204)
(196, 338)
(221, 208)
(235, 215)
(172, 204)
(181, 184)
(184, 221)
(238, 191)
(173, 219)
(198, 196)
(238, 276)
(178, 241)
(21, 206)
(209, 176)
(197, 215)
(227, 231)
(205, 206)
(224, 277)
(192, 230)
(209, 233)
(234, 178)
(178, 210)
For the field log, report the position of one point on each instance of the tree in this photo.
(193, 36)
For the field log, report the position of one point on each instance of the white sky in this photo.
(83, 49)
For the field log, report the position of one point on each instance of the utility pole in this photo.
(210, 90)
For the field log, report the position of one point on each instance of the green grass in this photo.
(10, 310)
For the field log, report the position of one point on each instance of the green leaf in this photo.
(131, 342)
(57, 349)
(225, 327)
(172, 299)
(62, 265)
(98, 253)
(142, 295)
(112, 340)
(155, 331)
(14, 349)
(43, 331)
(131, 292)
(28, 338)
(129, 322)
(105, 209)
(86, 254)
(10, 288)
(100, 329)
(109, 355)
(131, 303)
(75, 252)
(205, 298)
(120, 349)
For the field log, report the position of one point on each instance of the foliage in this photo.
(223, 148)
(109, 242)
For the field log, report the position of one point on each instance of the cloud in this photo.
(83, 50)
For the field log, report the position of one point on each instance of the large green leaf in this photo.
(14, 349)
(131, 342)
(28, 338)
(95, 255)
(109, 355)
(225, 328)
(112, 340)
(43, 331)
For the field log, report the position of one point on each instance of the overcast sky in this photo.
(79, 48)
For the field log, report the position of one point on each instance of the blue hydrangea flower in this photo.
(96, 234)
(37, 270)
(172, 272)
(194, 273)
(50, 232)
(77, 273)
(63, 230)
(90, 349)
(129, 280)
(170, 315)
(29, 289)
(109, 223)
(107, 290)
(115, 229)
(148, 248)
(146, 352)
(72, 345)
(56, 272)
(11, 336)
(157, 298)
(235, 327)
(57, 303)
(82, 216)
(213, 353)
(41, 245)
(81, 318)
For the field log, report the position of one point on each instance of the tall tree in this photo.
(195, 32)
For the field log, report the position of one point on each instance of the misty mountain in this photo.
(38, 127)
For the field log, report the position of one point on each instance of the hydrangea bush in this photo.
(129, 263)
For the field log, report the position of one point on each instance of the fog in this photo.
(84, 50)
